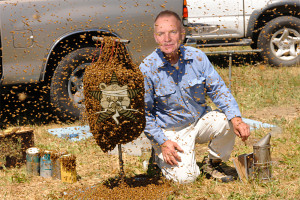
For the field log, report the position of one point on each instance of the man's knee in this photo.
(222, 123)
(181, 175)
(187, 179)
(183, 178)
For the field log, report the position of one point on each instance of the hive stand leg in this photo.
(230, 64)
(122, 174)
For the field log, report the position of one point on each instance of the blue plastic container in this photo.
(46, 165)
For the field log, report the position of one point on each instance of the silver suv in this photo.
(50, 41)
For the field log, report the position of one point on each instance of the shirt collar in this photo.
(184, 55)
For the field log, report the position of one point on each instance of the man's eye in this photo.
(174, 32)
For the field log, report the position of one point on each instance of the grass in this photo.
(264, 93)
(263, 86)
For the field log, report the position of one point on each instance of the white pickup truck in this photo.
(270, 25)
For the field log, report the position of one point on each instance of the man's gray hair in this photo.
(168, 13)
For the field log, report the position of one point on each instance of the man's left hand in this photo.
(240, 128)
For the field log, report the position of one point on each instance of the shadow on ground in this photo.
(238, 59)
(141, 180)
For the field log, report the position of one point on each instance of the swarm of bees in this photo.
(131, 188)
(69, 162)
(114, 96)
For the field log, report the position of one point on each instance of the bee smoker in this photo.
(262, 163)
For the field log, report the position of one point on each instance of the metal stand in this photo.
(122, 174)
(94, 38)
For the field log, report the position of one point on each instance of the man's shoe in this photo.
(212, 168)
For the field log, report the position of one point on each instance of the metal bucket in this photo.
(262, 162)
(33, 161)
(46, 165)
(56, 168)
(68, 168)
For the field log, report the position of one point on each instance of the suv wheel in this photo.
(66, 89)
(280, 41)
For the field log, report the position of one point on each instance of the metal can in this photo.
(46, 164)
(56, 172)
(262, 162)
(68, 168)
(33, 161)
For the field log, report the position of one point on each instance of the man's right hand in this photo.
(169, 151)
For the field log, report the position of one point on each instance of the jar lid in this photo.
(33, 150)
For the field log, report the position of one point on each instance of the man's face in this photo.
(168, 34)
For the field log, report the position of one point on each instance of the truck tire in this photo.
(280, 41)
(66, 90)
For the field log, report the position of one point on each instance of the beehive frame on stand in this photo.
(114, 97)
(13, 145)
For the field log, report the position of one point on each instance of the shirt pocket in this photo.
(196, 89)
(165, 97)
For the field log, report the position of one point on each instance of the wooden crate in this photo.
(13, 145)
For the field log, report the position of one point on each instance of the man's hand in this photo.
(169, 151)
(240, 128)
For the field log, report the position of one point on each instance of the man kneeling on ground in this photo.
(177, 78)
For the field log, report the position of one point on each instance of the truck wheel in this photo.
(66, 90)
(280, 41)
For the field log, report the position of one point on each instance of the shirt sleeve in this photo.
(152, 130)
(217, 90)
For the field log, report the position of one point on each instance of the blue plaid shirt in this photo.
(175, 96)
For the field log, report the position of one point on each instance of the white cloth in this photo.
(214, 128)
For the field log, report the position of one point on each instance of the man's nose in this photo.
(167, 37)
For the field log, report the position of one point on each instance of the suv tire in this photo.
(66, 90)
(280, 41)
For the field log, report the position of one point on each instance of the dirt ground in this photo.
(288, 112)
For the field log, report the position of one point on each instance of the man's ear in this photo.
(155, 37)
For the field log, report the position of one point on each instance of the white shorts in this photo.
(214, 128)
